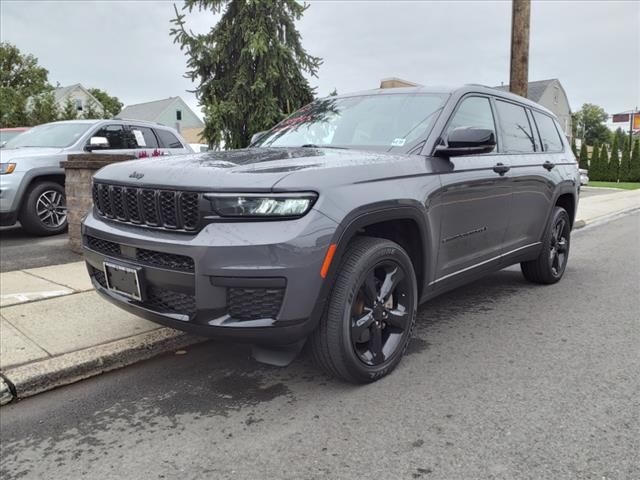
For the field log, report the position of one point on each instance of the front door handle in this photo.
(501, 168)
(548, 165)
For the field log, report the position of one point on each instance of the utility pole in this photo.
(520, 14)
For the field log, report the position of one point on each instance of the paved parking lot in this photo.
(19, 250)
(503, 380)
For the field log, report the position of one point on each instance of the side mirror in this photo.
(97, 143)
(256, 136)
(467, 141)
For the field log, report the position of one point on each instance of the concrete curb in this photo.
(603, 218)
(33, 378)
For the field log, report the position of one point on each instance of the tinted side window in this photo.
(473, 112)
(168, 139)
(115, 135)
(517, 136)
(143, 137)
(551, 141)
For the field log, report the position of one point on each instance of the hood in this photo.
(7, 155)
(251, 169)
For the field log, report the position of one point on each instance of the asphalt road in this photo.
(504, 380)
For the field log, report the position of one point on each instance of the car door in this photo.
(475, 199)
(531, 179)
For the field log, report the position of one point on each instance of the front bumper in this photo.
(256, 282)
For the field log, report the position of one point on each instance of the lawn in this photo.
(624, 185)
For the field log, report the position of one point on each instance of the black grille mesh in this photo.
(150, 207)
(170, 261)
(164, 300)
(254, 303)
(103, 246)
(165, 260)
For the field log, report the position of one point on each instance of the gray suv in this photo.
(32, 181)
(338, 222)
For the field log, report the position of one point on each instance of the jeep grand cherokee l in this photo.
(338, 222)
(32, 181)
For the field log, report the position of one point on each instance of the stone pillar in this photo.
(79, 170)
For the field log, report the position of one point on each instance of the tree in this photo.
(69, 111)
(20, 78)
(42, 109)
(92, 111)
(635, 162)
(625, 164)
(574, 147)
(249, 67)
(603, 164)
(595, 171)
(591, 127)
(112, 105)
(584, 156)
(614, 162)
(334, 93)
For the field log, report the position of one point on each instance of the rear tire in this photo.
(44, 211)
(370, 314)
(550, 265)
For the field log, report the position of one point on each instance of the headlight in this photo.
(7, 168)
(261, 205)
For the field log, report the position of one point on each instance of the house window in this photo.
(556, 92)
(178, 114)
(78, 104)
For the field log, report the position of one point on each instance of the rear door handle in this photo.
(501, 168)
(548, 165)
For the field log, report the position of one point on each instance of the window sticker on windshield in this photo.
(139, 138)
(398, 142)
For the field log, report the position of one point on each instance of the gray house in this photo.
(550, 94)
(172, 112)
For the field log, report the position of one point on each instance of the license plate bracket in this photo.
(123, 280)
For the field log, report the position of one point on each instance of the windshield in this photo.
(376, 122)
(49, 135)
(8, 135)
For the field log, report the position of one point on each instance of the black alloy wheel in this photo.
(380, 314)
(371, 312)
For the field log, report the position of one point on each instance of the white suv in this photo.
(32, 181)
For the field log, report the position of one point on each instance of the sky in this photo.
(124, 47)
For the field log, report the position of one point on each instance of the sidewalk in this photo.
(55, 330)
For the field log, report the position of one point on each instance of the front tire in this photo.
(44, 211)
(550, 265)
(371, 312)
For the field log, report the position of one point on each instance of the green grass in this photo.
(625, 185)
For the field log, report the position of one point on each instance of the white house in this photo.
(172, 112)
(80, 96)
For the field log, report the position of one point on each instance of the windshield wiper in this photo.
(313, 145)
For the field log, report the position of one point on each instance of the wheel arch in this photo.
(34, 176)
(383, 220)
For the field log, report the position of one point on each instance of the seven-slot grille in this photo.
(170, 209)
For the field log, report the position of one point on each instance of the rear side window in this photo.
(168, 139)
(143, 137)
(517, 136)
(551, 141)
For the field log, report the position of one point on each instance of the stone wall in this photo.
(79, 170)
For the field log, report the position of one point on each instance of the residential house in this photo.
(80, 96)
(172, 112)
